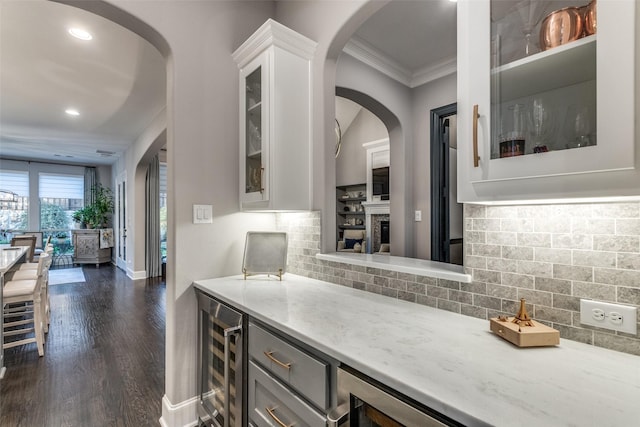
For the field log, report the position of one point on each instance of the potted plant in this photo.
(96, 214)
(79, 218)
(61, 236)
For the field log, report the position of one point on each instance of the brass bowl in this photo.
(590, 18)
(561, 27)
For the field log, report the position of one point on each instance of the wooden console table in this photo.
(86, 248)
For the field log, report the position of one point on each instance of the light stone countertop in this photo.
(449, 362)
(9, 255)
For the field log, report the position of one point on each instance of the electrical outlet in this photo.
(418, 216)
(622, 318)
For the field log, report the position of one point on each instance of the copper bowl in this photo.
(561, 27)
(590, 18)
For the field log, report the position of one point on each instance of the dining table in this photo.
(9, 257)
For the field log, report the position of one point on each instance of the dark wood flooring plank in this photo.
(104, 357)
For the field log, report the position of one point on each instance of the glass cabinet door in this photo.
(254, 131)
(543, 76)
(546, 98)
(254, 170)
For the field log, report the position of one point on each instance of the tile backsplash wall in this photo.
(551, 255)
(554, 255)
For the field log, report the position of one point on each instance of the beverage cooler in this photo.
(220, 364)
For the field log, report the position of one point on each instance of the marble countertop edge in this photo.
(398, 264)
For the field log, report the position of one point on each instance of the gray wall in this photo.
(202, 143)
(351, 164)
(396, 97)
(427, 97)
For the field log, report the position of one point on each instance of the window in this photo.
(14, 202)
(60, 195)
(163, 211)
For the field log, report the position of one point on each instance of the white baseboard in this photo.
(135, 275)
(184, 414)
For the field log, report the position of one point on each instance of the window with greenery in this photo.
(60, 195)
(163, 211)
(14, 202)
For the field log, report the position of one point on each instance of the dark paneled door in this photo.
(446, 212)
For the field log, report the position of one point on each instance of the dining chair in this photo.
(23, 311)
(40, 273)
(28, 241)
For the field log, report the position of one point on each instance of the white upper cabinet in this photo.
(275, 119)
(554, 85)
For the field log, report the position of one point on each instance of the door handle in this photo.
(228, 333)
(476, 158)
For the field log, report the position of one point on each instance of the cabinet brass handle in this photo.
(276, 419)
(476, 158)
(269, 354)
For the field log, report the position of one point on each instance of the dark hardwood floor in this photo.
(104, 357)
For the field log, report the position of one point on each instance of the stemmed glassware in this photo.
(577, 127)
(531, 13)
(541, 120)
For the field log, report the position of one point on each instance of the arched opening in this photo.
(376, 209)
(410, 93)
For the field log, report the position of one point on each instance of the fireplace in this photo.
(379, 231)
(384, 231)
(377, 224)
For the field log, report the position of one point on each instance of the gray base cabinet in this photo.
(271, 403)
(288, 385)
(86, 248)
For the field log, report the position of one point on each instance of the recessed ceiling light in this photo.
(81, 34)
(72, 112)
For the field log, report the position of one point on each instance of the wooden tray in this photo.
(538, 335)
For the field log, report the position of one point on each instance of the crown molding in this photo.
(434, 72)
(369, 55)
(366, 53)
(272, 33)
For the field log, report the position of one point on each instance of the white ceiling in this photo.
(117, 81)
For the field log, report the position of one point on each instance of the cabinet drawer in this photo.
(272, 404)
(300, 370)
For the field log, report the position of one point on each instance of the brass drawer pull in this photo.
(269, 354)
(476, 158)
(276, 419)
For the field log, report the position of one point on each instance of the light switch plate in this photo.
(418, 216)
(202, 214)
